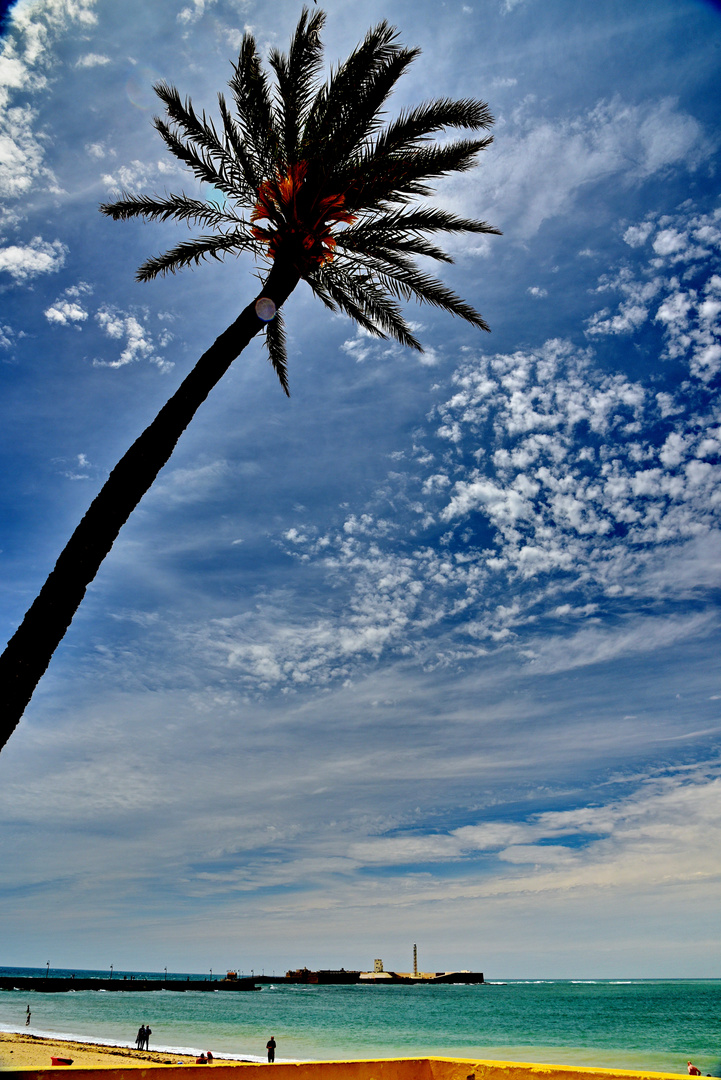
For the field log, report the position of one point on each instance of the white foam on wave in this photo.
(66, 1036)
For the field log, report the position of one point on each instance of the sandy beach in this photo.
(19, 1051)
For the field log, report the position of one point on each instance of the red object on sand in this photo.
(61, 1061)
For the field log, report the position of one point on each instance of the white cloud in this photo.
(626, 842)
(90, 60)
(577, 523)
(192, 14)
(133, 177)
(629, 509)
(599, 644)
(689, 316)
(139, 345)
(25, 57)
(65, 312)
(191, 485)
(538, 166)
(99, 150)
(634, 310)
(359, 348)
(12, 73)
(637, 235)
(25, 261)
(21, 153)
(81, 463)
(436, 482)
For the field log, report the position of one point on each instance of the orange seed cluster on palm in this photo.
(281, 202)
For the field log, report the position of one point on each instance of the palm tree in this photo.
(306, 178)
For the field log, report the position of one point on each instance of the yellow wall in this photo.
(390, 1069)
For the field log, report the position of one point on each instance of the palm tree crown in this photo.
(304, 173)
(306, 178)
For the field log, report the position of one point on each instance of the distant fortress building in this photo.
(380, 975)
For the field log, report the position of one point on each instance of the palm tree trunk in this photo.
(30, 650)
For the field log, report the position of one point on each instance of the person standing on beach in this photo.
(27, 1018)
(270, 1047)
(140, 1037)
(148, 1033)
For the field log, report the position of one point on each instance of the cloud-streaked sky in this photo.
(429, 652)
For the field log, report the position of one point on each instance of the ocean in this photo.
(625, 1023)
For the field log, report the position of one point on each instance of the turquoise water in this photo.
(633, 1024)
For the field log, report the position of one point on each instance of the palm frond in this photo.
(457, 156)
(368, 303)
(375, 182)
(403, 230)
(180, 207)
(277, 352)
(296, 74)
(417, 124)
(335, 297)
(193, 252)
(248, 162)
(348, 86)
(256, 118)
(200, 132)
(403, 279)
(318, 290)
(360, 117)
(379, 246)
(200, 163)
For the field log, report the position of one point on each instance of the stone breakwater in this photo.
(52, 985)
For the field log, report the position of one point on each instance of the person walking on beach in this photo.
(270, 1047)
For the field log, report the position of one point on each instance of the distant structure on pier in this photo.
(380, 976)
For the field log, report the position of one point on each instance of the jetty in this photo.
(62, 985)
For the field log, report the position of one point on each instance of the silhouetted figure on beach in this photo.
(140, 1037)
(148, 1033)
(270, 1047)
(27, 1018)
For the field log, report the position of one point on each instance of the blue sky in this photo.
(428, 652)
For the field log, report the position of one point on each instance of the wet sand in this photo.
(18, 1051)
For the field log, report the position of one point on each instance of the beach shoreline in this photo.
(646, 1025)
(19, 1050)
